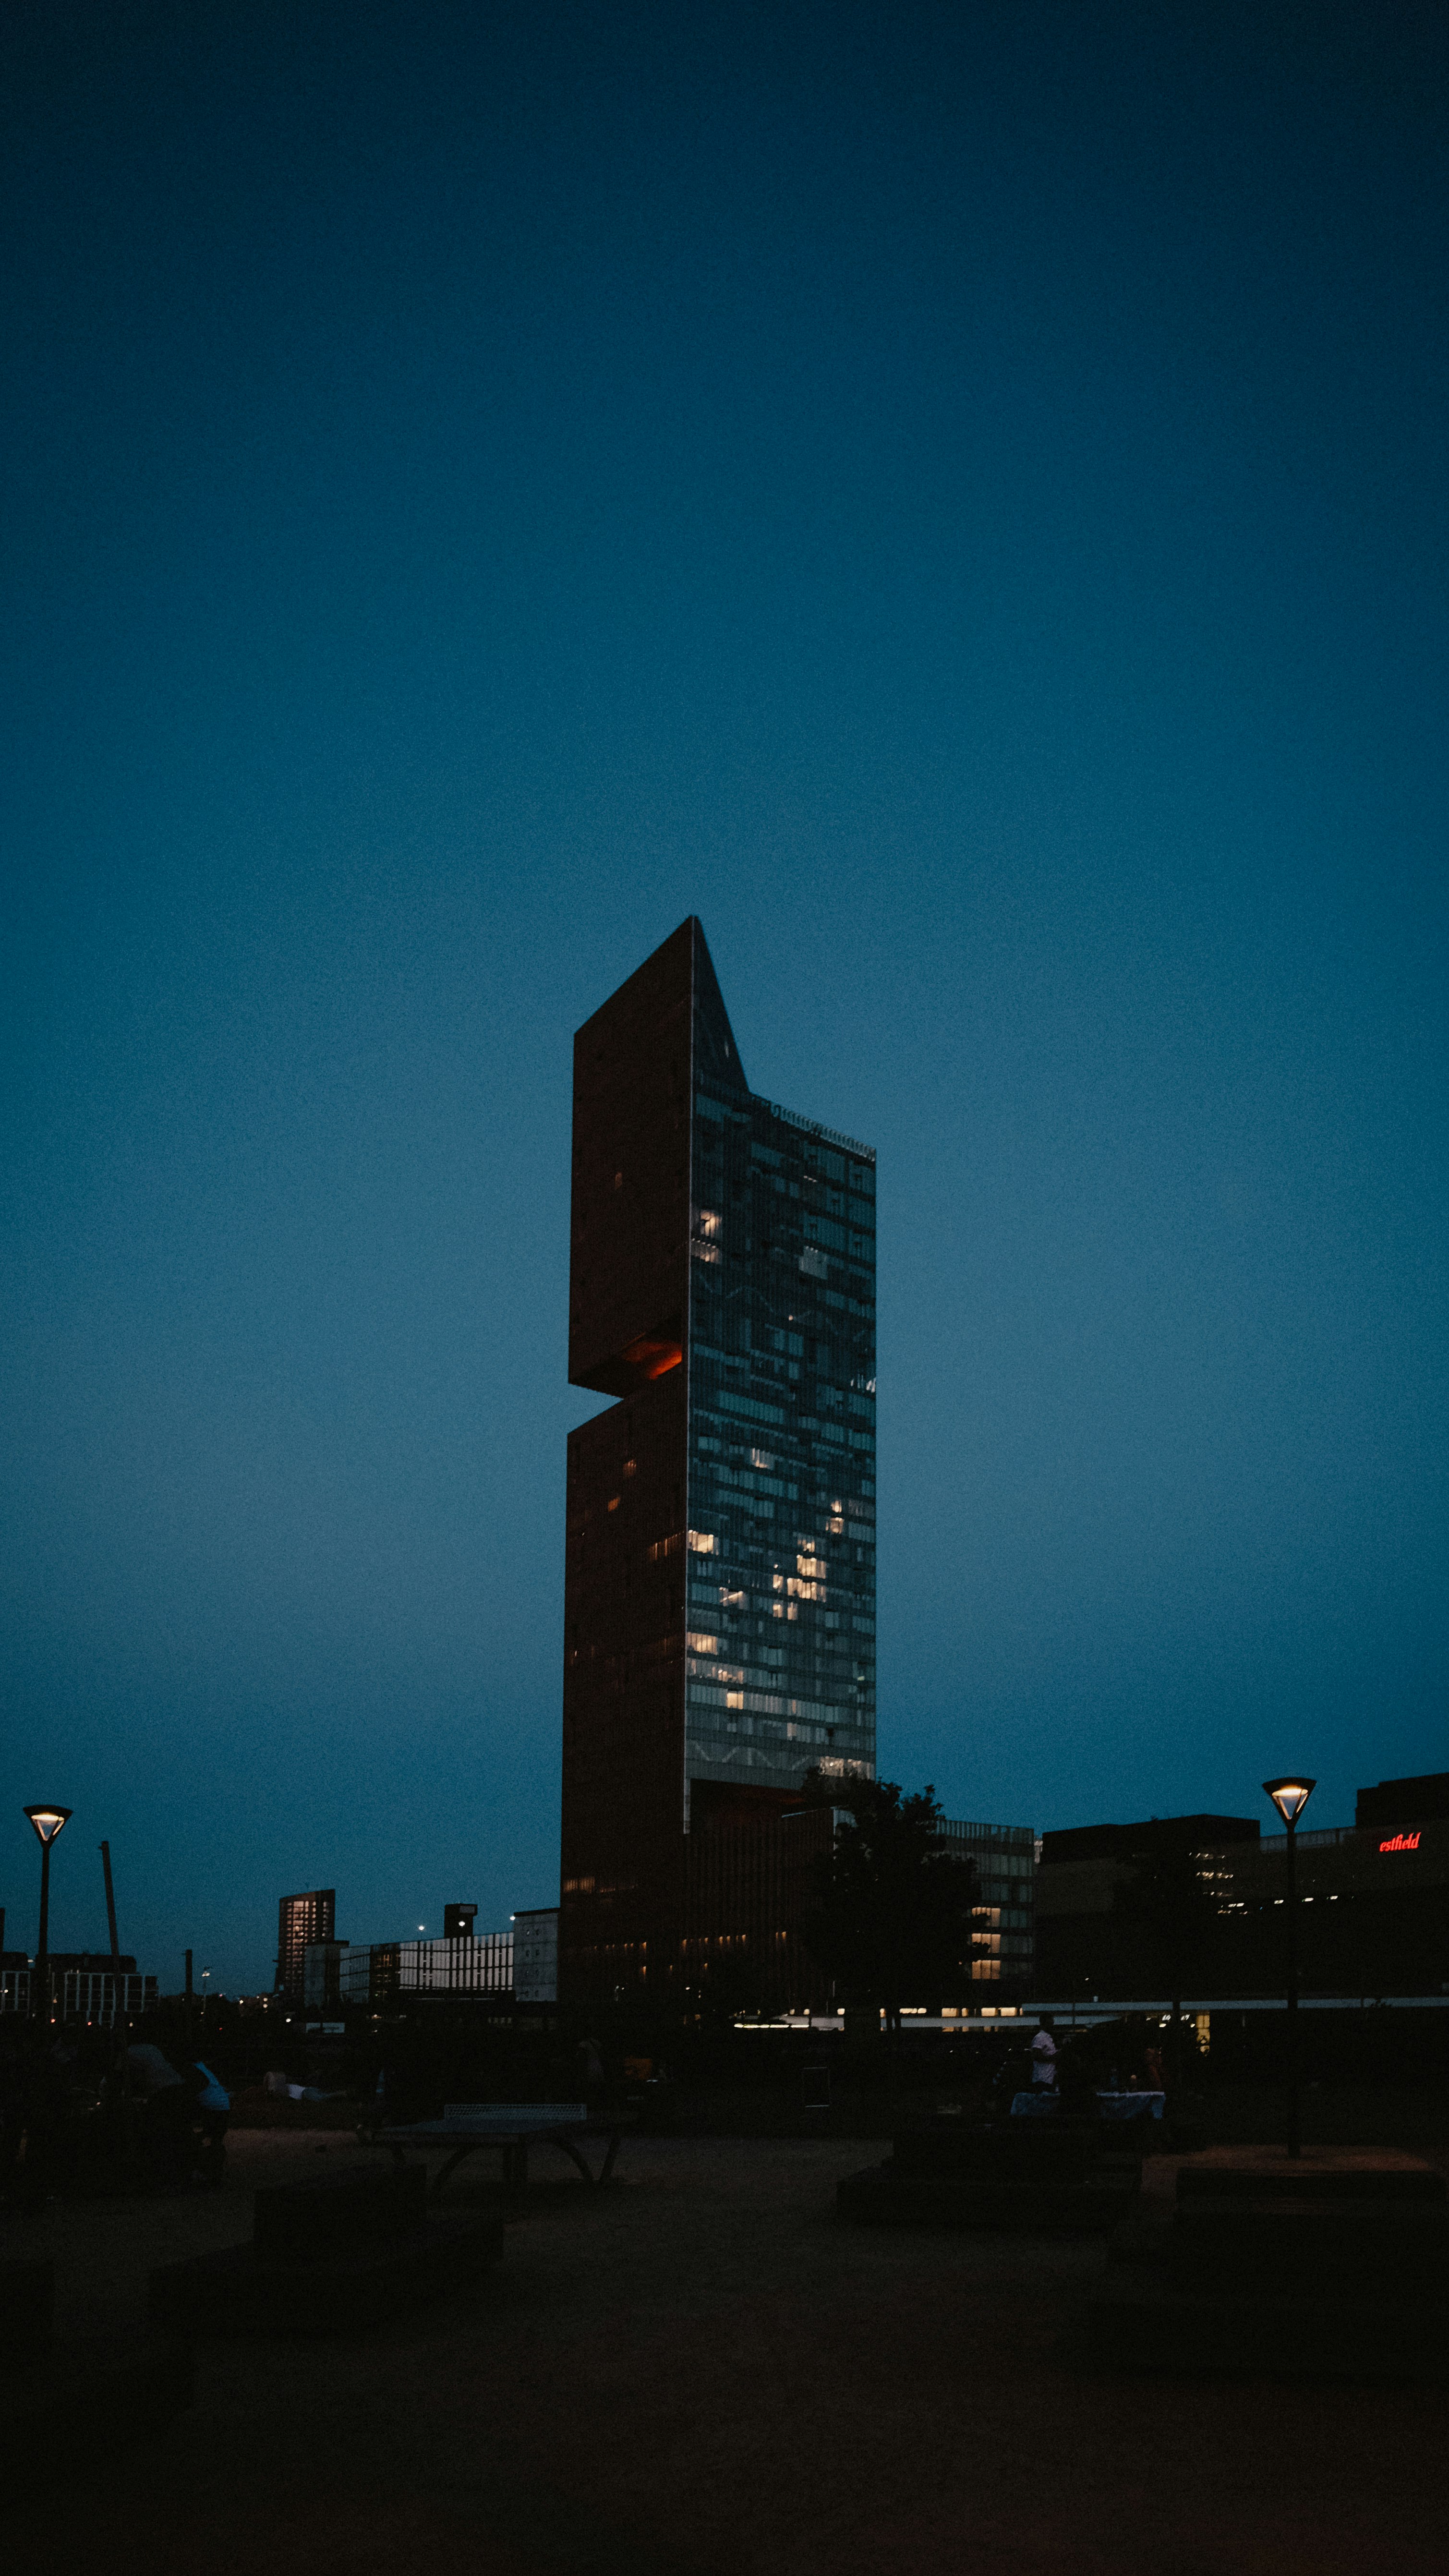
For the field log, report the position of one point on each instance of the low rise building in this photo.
(490, 1968)
(757, 1882)
(322, 1975)
(1195, 1904)
(1394, 1806)
(1003, 1939)
(535, 1955)
(85, 1986)
(1091, 1938)
(477, 1969)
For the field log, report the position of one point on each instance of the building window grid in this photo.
(783, 1351)
(81, 1995)
(480, 1965)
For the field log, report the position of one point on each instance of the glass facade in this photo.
(780, 1646)
(480, 1965)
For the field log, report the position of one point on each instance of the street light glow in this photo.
(48, 1821)
(1291, 1796)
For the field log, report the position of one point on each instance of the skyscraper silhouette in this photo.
(720, 1570)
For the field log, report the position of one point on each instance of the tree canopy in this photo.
(892, 1922)
(1168, 1901)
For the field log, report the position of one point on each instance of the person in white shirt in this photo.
(1044, 2056)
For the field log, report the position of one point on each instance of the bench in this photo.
(506, 2129)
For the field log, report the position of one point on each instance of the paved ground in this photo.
(700, 2371)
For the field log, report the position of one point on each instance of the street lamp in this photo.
(1290, 1797)
(47, 1822)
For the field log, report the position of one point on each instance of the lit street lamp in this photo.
(1290, 1797)
(47, 1822)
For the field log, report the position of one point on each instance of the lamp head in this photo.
(1291, 1796)
(48, 1820)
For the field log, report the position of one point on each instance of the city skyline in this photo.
(955, 501)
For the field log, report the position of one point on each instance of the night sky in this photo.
(956, 497)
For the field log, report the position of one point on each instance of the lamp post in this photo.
(47, 1822)
(1290, 1797)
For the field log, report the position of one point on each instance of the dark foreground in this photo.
(700, 2370)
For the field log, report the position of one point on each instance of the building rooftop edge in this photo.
(794, 1118)
(817, 1127)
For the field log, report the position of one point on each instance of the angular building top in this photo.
(635, 1063)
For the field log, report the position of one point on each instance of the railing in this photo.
(1002, 1837)
(832, 1135)
(79, 1995)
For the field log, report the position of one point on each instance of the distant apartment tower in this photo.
(720, 1563)
(301, 1920)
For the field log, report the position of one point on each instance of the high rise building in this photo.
(301, 1920)
(720, 1567)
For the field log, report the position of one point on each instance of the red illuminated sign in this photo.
(1401, 1842)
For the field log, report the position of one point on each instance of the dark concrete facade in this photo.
(1373, 1911)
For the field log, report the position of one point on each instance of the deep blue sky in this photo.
(956, 497)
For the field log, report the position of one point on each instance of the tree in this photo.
(1168, 1900)
(892, 1917)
